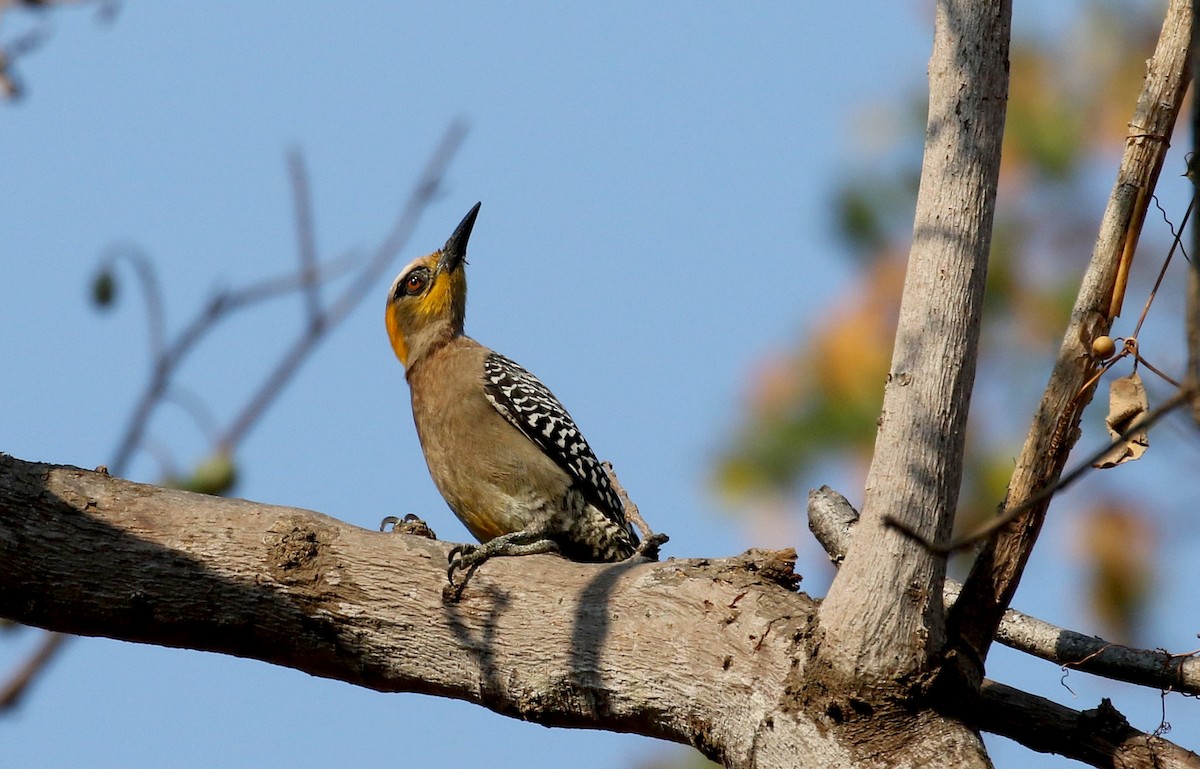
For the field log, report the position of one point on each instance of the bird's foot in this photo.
(463, 557)
(467, 558)
(409, 524)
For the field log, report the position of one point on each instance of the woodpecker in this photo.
(502, 450)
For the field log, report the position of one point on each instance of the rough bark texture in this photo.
(714, 653)
(883, 618)
(706, 652)
(1100, 736)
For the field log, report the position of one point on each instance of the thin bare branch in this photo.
(219, 307)
(426, 189)
(18, 682)
(224, 303)
(24, 44)
(306, 239)
(989, 527)
(192, 404)
(1155, 668)
(147, 278)
(1176, 244)
(166, 359)
(282, 285)
(1157, 371)
(651, 542)
(997, 570)
(1192, 311)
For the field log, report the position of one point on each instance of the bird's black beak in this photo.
(454, 253)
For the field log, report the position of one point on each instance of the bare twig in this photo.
(24, 44)
(306, 245)
(289, 283)
(18, 682)
(423, 193)
(998, 568)
(651, 542)
(219, 307)
(151, 291)
(1162, 272)
(10, 83)
(1192, 312)
(1157, 371)
(190, 402)
(992, 525)
(167, 357)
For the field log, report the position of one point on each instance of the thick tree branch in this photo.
(709, 652)
(883, 616)
(832, 519)
(996, 572)
(690, 651)
(1100, 736)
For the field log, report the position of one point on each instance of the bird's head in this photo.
(428, 301)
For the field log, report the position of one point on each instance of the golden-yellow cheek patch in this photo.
(437, 303)
(443, 301)
(399, 346)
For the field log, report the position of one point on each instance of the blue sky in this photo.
(655, 182)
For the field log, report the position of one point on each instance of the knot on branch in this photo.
(777, 567)
(1104, 719)
(299, 557)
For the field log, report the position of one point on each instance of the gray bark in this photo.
(883, 619)
(716, 653)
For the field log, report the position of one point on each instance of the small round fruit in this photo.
(1103, 347)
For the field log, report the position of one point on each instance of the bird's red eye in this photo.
(414, 283)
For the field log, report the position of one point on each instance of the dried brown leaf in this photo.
(1127, 405)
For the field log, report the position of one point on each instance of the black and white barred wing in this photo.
(532, 408)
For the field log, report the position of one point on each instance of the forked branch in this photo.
(993, 580)
(833, 519)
